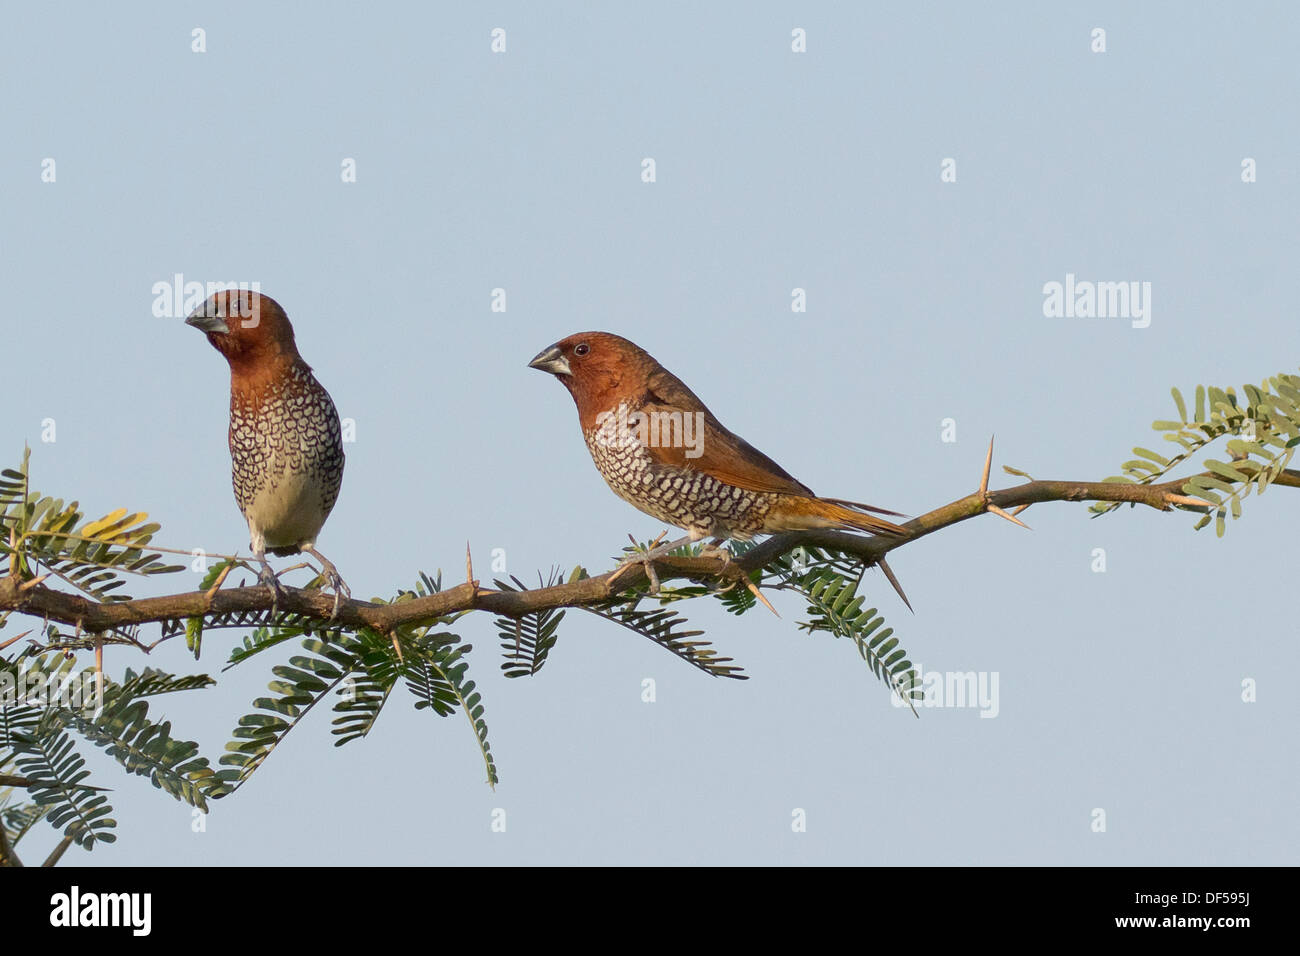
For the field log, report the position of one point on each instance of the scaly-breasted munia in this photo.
(286, 447)
(660, 449)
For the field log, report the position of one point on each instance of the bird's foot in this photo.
(268, 578)
(331, 574)
(715, 549)
(647, 558)
(652, 575)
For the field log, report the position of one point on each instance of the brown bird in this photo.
(286, 447)
(661, 449)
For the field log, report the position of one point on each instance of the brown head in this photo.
(248, 328)
(600, 370)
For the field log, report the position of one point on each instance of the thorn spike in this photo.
(988, 466)
(1012, 518)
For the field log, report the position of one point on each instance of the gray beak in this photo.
(551, 360)
(204, 322)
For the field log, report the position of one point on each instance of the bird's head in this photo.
(598, 368)
(246, 327)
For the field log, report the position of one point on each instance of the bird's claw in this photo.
(267, 577)
(715, 549)
(652, 575)
(647, 562)
(341, 591)
(331, 574)
(647, 558)
(631, 562)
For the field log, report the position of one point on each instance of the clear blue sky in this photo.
(775, 170)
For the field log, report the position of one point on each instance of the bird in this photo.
(286, 445)
(659, 448)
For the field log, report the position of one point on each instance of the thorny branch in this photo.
(93, 617)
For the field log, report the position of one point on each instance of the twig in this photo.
(101, 617)
(57, 852)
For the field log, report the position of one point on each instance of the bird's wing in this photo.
(715, 451)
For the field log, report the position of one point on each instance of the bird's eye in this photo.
(582, 348)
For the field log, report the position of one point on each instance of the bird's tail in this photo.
(852, 515)
(797, 513)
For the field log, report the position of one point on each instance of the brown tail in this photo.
(796, 513)
(850, 514)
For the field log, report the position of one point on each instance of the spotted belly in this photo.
(287, 461)
(689, 499)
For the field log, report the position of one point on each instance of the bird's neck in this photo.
(265, 373)
(592, 404)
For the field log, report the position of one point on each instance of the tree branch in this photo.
(7, 855)
(34, 598)
(57, 853)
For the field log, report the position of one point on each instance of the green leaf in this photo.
(58, 785)
(258, 734)
(1152, 456)
(666, 628)
(835, 606)
(527, 640)
(1224, 470)
(437, 677)
(194, 625)
(18, 819)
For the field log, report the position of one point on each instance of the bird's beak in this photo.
(551, 360)
(204, 322)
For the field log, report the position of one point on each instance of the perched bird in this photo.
(660, 449)
(286, 448)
